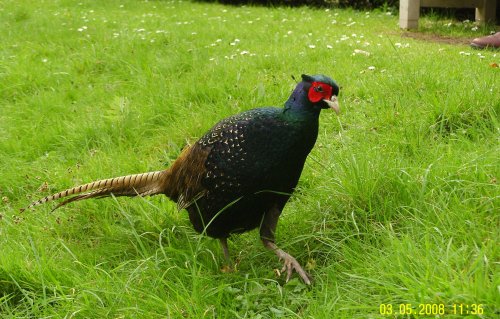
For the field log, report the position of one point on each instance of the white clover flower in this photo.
(358, 51)
(312, 46)
(401, 45)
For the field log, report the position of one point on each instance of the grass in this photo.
(398, 203)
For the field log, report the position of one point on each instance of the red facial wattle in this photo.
(319, 91)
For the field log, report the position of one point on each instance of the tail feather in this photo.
(144, 184)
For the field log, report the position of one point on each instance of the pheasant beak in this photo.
(333, 103)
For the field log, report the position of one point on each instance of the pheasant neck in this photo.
(299, 104)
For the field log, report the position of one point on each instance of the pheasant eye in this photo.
(318, 89)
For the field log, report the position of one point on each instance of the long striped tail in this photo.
(144, 184)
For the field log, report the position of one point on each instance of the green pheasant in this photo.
(240, 174)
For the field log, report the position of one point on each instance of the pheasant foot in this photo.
(289, 263)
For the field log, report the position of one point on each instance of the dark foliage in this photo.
(458, 13)
(358, 4)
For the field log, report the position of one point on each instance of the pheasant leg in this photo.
(227, 267)
(267, 230)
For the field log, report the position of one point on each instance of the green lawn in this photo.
(398, 203)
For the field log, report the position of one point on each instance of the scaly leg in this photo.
(226, 268)
(225, 249)
(267, 230)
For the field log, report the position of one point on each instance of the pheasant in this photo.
(239, 175)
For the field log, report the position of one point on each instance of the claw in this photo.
(290, 264)
(226, 269)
